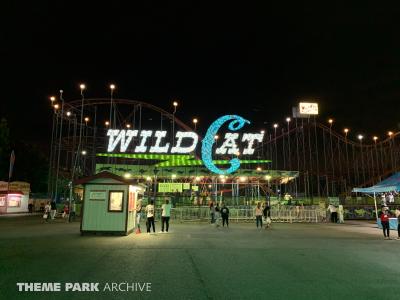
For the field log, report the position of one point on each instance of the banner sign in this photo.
(186, 142)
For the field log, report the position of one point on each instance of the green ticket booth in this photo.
(109, 204)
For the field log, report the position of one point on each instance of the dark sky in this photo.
(254, 60)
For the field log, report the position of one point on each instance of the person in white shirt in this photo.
(165, 215)
(391, 198)
(150, 216)
(138, 213)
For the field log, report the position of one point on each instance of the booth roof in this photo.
(11, 192)
(103, 174)
(390, 184)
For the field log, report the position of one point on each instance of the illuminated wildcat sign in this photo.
(186, 142)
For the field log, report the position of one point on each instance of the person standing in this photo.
(398, 224)
(225, 215)
(165, 215)
(333, 211)
(47, 210)
(150, 216)
(258, 213)
(53, 209)
(385, 224)
(341, 214)
(66, 211)
(212, 212)
(267, 215)
(138, 213)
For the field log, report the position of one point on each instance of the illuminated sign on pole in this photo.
(307, 108)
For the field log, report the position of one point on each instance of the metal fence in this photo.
(309, 214)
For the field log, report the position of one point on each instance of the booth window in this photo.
(14, 200)
(115, 201)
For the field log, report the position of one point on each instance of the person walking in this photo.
(53, 209)
(138, 213)
(258, 213)
(150, 216)
(47, 210)
(165, 215)
(217, 215)
(225, 215)
(212, 212)
(385, 224)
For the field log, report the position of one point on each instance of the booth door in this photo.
(131, 209)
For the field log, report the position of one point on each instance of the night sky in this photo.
(254, 60)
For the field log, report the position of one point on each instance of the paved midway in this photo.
(199, 261)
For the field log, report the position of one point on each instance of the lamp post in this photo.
(175, 104)
(390, 134)
(346, 131)
(195, 123)
(50, 182)
(82, 88)
(330, 121)
(112, 88)
(59, 143)
(360, 137)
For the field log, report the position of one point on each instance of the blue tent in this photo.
(390, 184)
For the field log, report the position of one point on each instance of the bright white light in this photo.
(251, 137)
(173, 176)
(156, 148)
(175, 103)
(145, 134)
(56, 106)
(242, 178)
(82, 86)
(346, 130)
(180, 135)
(107, 123)
(262, 131)
(330, 121)
(68, 113)
(148, 178)
(259, 169)
(275, 125)
(127, 175)
(375, 138)
(84, 152)
(112, 86)
(195, 121)
(198, 178)
(86, 119)
(52, 98)
(268, 177)
(216, 137)
(229, 145)
(360, 137)
(128, 125)
(288, 119)
(390, 133)
(122, 136)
